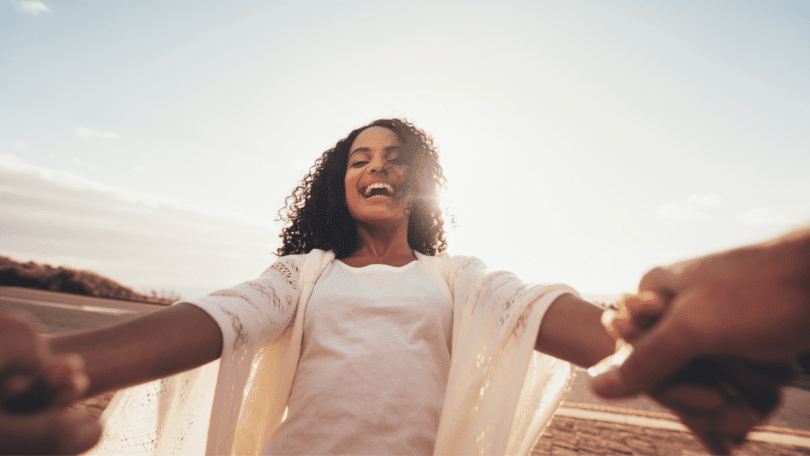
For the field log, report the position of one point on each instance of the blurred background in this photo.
(584, 142)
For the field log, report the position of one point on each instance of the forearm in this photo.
(572, 330)
(156, 345)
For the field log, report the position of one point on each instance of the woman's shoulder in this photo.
(301, 257)
(287, 265)
(449, 263)
(293, 264)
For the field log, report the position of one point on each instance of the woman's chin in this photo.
(380, 209)
(381, 216)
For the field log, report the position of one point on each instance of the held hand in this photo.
(751, 302)
(31, 377)
(35, 388)
(719, 399)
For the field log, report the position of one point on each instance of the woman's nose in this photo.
(379, 166)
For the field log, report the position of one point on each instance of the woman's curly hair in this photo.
(315, 216)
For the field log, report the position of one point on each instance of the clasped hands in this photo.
(36, 390)
(718, 398)
(714, 338)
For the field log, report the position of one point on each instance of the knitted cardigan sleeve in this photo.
(254, 312)
(196, 412)
(500, 392)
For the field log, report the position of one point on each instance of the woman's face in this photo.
(376, 178)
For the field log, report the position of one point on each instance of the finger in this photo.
(700, 407)
(692, 399)
(52, 432)
(618, 323)
(714, 441)
(14, 385)
(21, 346)
(646, 308)
(66, 379)
(657, 354)
(717, 424)
(752, 383)
(61, 383)
(781, 372)
(638, 313)
(735, 423)
(21, 357)
(704, 429)
(660, 279)
(608, 318)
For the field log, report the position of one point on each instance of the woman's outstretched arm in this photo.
(572, 331)
(146, 348)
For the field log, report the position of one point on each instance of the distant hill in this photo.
(66, 280)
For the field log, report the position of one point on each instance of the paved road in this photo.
(59, 313)
(585, 424)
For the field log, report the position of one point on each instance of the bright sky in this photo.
(584, 143)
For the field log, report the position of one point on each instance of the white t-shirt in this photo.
(374, 363)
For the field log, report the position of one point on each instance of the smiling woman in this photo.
(377, 340)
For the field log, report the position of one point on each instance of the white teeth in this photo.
(388, 188)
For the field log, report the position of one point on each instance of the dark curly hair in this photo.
(315, 216)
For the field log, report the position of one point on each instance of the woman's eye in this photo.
(358, 164)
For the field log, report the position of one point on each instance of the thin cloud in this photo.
(140, 240)
(707, 200)
(12, 163)
(692, 207)
(767, 216)
(682, 211)
(93, 134)
(79, 162)
(20, 145)
(33, 8)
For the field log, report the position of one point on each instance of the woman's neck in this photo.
(381, 246)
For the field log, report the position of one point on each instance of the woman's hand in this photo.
(35, 389)
(31, 377)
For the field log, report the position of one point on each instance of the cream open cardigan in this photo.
(500, 391)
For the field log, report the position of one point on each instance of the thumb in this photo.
(657, 355)
(665, 280)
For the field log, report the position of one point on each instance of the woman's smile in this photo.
(378, 189)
